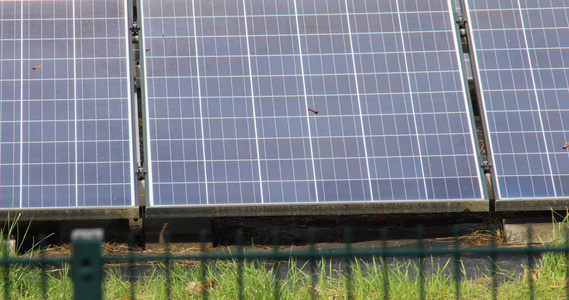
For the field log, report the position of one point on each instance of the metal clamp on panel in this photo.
(486, 166)
(134, 28)
(141, 172)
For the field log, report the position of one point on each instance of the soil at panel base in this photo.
(331, 229)
(291, 230)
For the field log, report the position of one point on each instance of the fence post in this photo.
(86, 263)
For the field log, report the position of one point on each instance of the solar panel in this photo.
(65, 120)
(521, 49)
(305, 101)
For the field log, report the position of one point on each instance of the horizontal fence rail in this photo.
(87, 275)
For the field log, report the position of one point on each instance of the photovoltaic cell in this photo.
(229, 83)
(64, 102)
(521, 49)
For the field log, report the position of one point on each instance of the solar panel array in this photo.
(65, 119)
(229, 85)
(522, 50)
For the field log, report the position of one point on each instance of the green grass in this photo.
(256, 279)
(329, 281)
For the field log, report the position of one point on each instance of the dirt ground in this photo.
(474, 229)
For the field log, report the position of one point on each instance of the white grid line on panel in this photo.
(359, 102)
(323, 180)
(83, 154)
(305, 96)
(286, 35)
(266, 168)
(412, 105)
(146, 96)
(222, 127)
(76, 101)
(293, 15)
(168, 104)
(233, 104)
(341, 53)
(66, 39)
(68, 185)
(131, 147)
(106, 73)
(537, 101)
(106, 162)
(161, 170)
(158, 170)
(1, 72)
(253, 102)
(292, 159)
(305, 54)
(180, 104)
(490, 112)
(55, 175)
(543, 28)
(69, 120)
(308, 181)
(514, 8)
(320, 95)
(288, 127)
(68, 79)
(278, 154)
(213, 179)
(317, 36)
(200, 100)
(464, 95)
(434, 113)
(320, 137)
(521, 69)
(22, 103)
(63, 18)
(315, 75)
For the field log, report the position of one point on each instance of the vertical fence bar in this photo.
(6, 267)
(203, 266)
(276, 265)
(168, 264)
(311, 259)
(420, 249)
(43, 271)
(131, 279)
(349, 262)
(493, 267)
(240, 265)
(457, 260)
(385, 277)
(87, 263)
(530, 263)
(566, 262)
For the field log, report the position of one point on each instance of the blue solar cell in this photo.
(392, 121)
(524, 81)
(64, 103)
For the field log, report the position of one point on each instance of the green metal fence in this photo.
(87, 270)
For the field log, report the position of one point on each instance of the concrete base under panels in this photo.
(184, 232)
(521, 205)
(542, 230)
(76, 214)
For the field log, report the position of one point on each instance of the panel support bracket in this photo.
(486, 166)
(134, 28)
(461, 21)
(141, 172)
